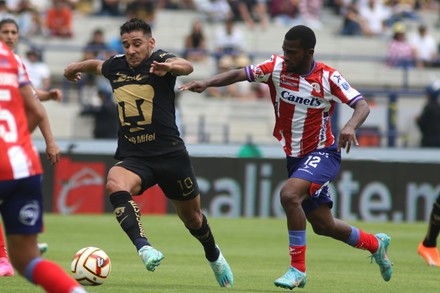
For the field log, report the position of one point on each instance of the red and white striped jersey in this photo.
(23, 76)
(303, 104)
(18, 157)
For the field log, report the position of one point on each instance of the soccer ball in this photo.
(91, 266)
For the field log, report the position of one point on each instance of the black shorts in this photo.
(174, 174)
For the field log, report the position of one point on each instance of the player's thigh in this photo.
(22, 205)
(121, 178)
(295, 188)
(176, 177)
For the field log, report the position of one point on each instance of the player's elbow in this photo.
(363, 107)
(189, 69)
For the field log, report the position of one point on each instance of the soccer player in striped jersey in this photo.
(21, 197)
(9, 34)
(303, 93)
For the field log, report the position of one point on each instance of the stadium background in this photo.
(393, 179)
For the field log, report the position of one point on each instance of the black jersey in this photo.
(146, 107)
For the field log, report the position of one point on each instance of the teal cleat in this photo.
(43, 247)
(222, 271)
(381, 258)
(151, 257)
(292, 279)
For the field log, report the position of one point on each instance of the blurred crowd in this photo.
(361, 18)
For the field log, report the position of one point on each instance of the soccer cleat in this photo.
(381, 258)
(43, 247)
(291, 279)
(151, 257)
(6, 270)
(222, 271)
(430, 254)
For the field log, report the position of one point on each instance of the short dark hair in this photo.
(136, 24)
(9, 20)
(304, 34)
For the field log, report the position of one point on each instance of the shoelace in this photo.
(218, 265)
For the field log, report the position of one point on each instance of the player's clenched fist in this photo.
(71, 73)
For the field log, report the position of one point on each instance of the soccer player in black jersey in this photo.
(150, 150)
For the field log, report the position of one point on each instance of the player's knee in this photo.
(193, 221)
(112, 186)
(117, 185)
(290, 198)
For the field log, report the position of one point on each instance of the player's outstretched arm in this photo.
(73, 71)
(52, 94)
(176, 66)
(222, 79)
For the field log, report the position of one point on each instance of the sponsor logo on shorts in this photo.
(29, 214)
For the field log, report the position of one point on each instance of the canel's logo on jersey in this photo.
(314, 102)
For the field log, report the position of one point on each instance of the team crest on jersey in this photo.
(316, 87)
(259, 74)
(317, 90)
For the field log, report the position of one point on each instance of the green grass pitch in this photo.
(256, 249)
